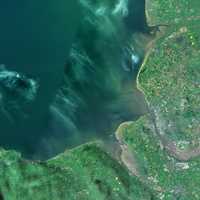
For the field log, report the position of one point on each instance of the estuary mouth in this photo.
(89, 98)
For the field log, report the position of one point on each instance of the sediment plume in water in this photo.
(97, 86)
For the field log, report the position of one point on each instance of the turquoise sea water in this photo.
(36, 38)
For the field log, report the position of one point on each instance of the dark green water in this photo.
(97, 79)
(35, 39)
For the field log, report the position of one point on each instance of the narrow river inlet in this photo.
(68, 72)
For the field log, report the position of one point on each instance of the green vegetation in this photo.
(171, 11)
(170, 79)
(168, 177)
(166, 143)
(85, 173)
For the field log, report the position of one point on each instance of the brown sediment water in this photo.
(103, 98)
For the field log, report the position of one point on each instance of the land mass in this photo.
(166, 142)
(159, 152)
